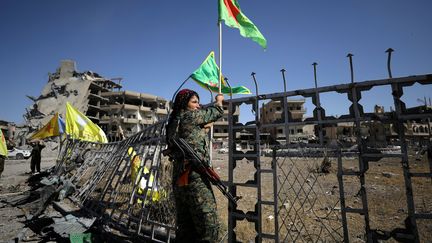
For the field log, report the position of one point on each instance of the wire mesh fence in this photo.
(307, 195)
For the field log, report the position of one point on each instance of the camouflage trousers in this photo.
(197, 218)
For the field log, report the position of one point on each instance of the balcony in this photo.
(95, 86)
(120, 107)
(97, 97)
(220, 135)
(94, 107)
(131, 107)
(303, 110)
(146, 121)
(145, 108)
(130, 120)
(161, 111)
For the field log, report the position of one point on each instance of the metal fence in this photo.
(309, 205)
(306, 207)
(126, 184)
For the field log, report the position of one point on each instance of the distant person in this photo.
(3, 152)
(36, 156)
(196, 215)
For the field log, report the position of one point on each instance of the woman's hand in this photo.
(219, 99)
(208, 125)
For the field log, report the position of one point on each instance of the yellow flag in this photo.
(3, 147)
(53, 128)
(80, 127)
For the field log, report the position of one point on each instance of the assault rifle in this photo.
(200, 167)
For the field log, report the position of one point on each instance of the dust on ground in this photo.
(12, 183)
(385, 188)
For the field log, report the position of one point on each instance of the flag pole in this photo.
(220, 87)
(220, 56)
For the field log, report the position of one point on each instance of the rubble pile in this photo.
(65, 85)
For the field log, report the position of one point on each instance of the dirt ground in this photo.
(13, 182)
(298, 183)
(308, 202)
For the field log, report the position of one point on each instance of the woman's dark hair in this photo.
(180, 103)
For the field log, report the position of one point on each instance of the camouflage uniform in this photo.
(197, 218)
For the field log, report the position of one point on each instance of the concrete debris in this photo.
(71, 224)
(50, 180)
(388, 174)
(67, 189)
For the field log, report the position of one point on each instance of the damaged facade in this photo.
(127, 113)
(118, 113)
(274, 110)
(377, 133)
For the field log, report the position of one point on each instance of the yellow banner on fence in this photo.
(80, 127)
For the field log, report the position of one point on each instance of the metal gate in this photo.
(306, 208)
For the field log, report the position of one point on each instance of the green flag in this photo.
(229, 11)
(207, 76)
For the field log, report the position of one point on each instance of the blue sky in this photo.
(155, 45)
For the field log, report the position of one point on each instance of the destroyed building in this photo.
(378, 133)
(100, 99)
(15, 135)
(126, 113)
(273, 111)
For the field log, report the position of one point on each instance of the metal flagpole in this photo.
(211, 131)
(220, 87)
(220, 56)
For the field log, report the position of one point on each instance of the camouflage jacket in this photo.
(189, 125)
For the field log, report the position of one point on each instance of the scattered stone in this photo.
(359, 238)
(388, 174)
(325, 165)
